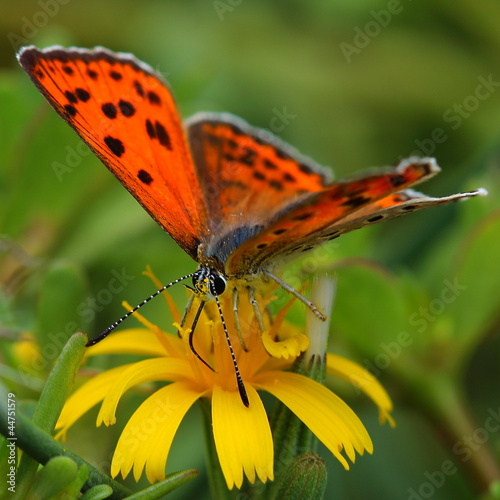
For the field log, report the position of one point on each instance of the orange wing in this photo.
(341, 208)
(246, 173)
(124, 111)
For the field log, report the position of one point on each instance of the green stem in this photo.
(42, 447)
(218, 487)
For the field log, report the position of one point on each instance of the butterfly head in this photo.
(208, 282)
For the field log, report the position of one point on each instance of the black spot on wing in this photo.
(70, 110)
(70, 96)
(248, 157)
(139, 88)
(126, 108)
(276, 185)
(109, 110)
(269, 165)
(259, 175)
(375, 218)
(154, 98)
(92, 74)
(82, 94)
(397, 180)
(162, 135)
(68, 70)
(115, 75)
(150, 129)
(356, 201)
(115, 145)
(306, 169)
(144, 177)
(304, 216)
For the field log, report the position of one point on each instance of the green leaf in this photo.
(371, 307)
(99, 492)
(62, 291)
(53, 478)
(474, 298)
(59, 383)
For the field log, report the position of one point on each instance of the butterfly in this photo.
(236, 199)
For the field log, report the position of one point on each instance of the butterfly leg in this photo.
(255, 306)
(291, 290)
(187, 310)
(237, 325)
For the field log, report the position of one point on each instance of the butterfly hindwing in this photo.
(124, 111)
(342, 207)
(246, 173)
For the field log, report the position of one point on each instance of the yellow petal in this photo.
(167, 341)
(149, 370)
(326, 415)
(148, 435)
(133, 341)
(242, 436)
(87, 396)
(289, 347)
(364, 381)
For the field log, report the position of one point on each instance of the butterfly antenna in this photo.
(110, 328)
(239, 380)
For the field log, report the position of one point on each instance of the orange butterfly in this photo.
(236, 199)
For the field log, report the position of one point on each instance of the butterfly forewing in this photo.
(126, 114)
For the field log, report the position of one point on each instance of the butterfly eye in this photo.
(217, 285)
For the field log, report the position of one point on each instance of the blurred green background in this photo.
(351, 84)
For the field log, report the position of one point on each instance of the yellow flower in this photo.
(242, 434)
